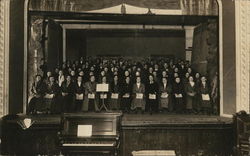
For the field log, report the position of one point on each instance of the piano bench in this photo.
(154, 153)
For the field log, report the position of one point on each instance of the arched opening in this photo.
(65, 24)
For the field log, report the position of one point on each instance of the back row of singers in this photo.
(127, 96)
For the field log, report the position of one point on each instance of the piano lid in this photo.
(90, 124)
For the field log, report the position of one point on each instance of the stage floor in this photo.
(176, 119)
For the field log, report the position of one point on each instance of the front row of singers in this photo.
(151, 97)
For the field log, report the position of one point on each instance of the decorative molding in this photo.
(242, 21)
(4, 57)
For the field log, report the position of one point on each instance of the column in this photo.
(189, 33)
(242, 17)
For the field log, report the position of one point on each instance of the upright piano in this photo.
(90, 134)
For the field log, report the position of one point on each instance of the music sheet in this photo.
(91, 96)
(152, 96)
(164, 95)
(114, 96)
(205, 97)
(84, 130)
(102, 87)
(79, 96)
(139, 96)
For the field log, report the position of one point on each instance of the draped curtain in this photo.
(189, 7)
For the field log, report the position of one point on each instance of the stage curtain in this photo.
(188, 7)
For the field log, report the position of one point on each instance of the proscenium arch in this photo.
(25, 82)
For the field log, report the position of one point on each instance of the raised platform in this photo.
(175, 121)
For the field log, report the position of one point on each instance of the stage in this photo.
(185, 134)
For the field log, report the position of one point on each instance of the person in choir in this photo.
(190, 71)
(151, 95)
(56, 73)
(115, 99)
(191, 93)
(102, 74)
(60, 78)
(165, 91)
(197, 79)
(126, 95)
(103, 96)
(79, 91)
(185, 79)
(204, 92)
(50, 98)
(91, 101)
(73, 76)
(37, 91)
(178, 93)
(138, 101)
(67, 94)
(43, 68)
(48, 74)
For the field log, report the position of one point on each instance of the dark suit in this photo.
(126, 101)
(151, 104)
(78, 90)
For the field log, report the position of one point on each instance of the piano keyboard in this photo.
(110, 144)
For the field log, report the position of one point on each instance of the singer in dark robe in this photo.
(51, 94)
(138, 102)
(178, 94)
(126, 95)
(205, 97)
(91, 101)
(191, 93)
(79, 94)
(115, 99)
(67, 94)
(151, 95)
(165, 91)
(37, 90)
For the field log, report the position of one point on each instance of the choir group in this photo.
(134, 86)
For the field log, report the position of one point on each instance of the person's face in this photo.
(103, 73)
(176, 75)
(150, 69)
(68, 78)
(187, 75)
(138, 79)
(92, 79)
(197, 75)
(126, 73)
(189, 70)
(72, 73)
(106, 69)
(154, 73)
(116, 78)
(164, 73)
(79, 79)
(191, 79)
(203, 79)
(164, 80)
(127, 79)
(52, 79)
(177, 80)
(137, 73)
(38, 78)
(151, 78)
(60, 72)
(104, 79)
(175, 69)
(81, 73)
(49, 74)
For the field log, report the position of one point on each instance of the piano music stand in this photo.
(102, 89)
